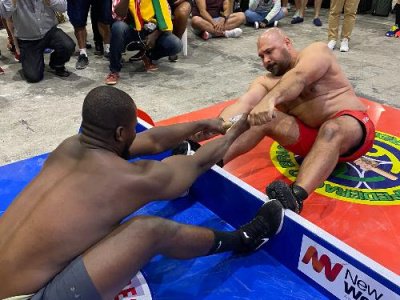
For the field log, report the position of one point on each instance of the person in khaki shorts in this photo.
(350, 10)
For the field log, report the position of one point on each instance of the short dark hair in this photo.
(107, 107)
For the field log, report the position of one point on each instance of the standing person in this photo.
(78, 11)
(309, 107)
(215, 18)
(264, 13)
(301, 5)
(395, 29)
(350, 11)
(64, 229)
(36, 29)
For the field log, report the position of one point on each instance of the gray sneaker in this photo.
(82, 62)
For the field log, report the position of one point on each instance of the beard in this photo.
(282, 66)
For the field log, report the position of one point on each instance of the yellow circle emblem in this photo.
(372, 179)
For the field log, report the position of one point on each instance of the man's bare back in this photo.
(75, 185)
(64, 229)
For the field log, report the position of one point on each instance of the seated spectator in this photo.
(36, 29)
(263, 13)
(215, 18)
(180, 10)
(150, 27)
(395, 30)
(78, 13)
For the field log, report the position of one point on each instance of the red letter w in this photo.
(323, 262)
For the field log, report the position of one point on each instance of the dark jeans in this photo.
(167, 44)
(32, 58)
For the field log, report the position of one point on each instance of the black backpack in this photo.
(381, 7)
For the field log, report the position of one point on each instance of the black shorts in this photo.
(71, 283)
(171, 4)
(78, 11)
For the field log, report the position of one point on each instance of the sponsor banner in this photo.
(136, 289)
(372, 179)
(338, 276)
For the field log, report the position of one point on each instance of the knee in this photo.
(69, 47)
(182, 12)
(196, 21)
(248, 14)
(241, 17)
(175, 44)
(155, 227)
(33, 77)
(118, 28)
(330, 132)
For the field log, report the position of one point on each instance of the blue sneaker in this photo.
(297, 20)
(317, 22)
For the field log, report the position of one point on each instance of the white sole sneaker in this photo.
(332, 44)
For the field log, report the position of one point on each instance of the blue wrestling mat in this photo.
(301, 262)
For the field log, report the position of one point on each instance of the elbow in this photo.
(121, 13)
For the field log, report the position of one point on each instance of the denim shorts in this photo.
(78, 11)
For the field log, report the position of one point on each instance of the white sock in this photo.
(82, 51)
(106, 47)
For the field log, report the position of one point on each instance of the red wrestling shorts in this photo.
(308, 135)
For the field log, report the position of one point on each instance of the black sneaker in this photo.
(173, 58)
(282, 192)
(82, 62)
(187, 147)
(61, 72)
(267, 223)
(98, 49)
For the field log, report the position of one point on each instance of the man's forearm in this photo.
(206, 16)
(161, 138)
(213, 151)
(169, 136)
(121, 9)
(288, 88)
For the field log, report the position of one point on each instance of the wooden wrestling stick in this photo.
(228, 124)
(370, 165)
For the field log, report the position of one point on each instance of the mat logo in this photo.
(322, 263)
(372, 179)
(358, 289)
(339, 277)
(136, 289)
